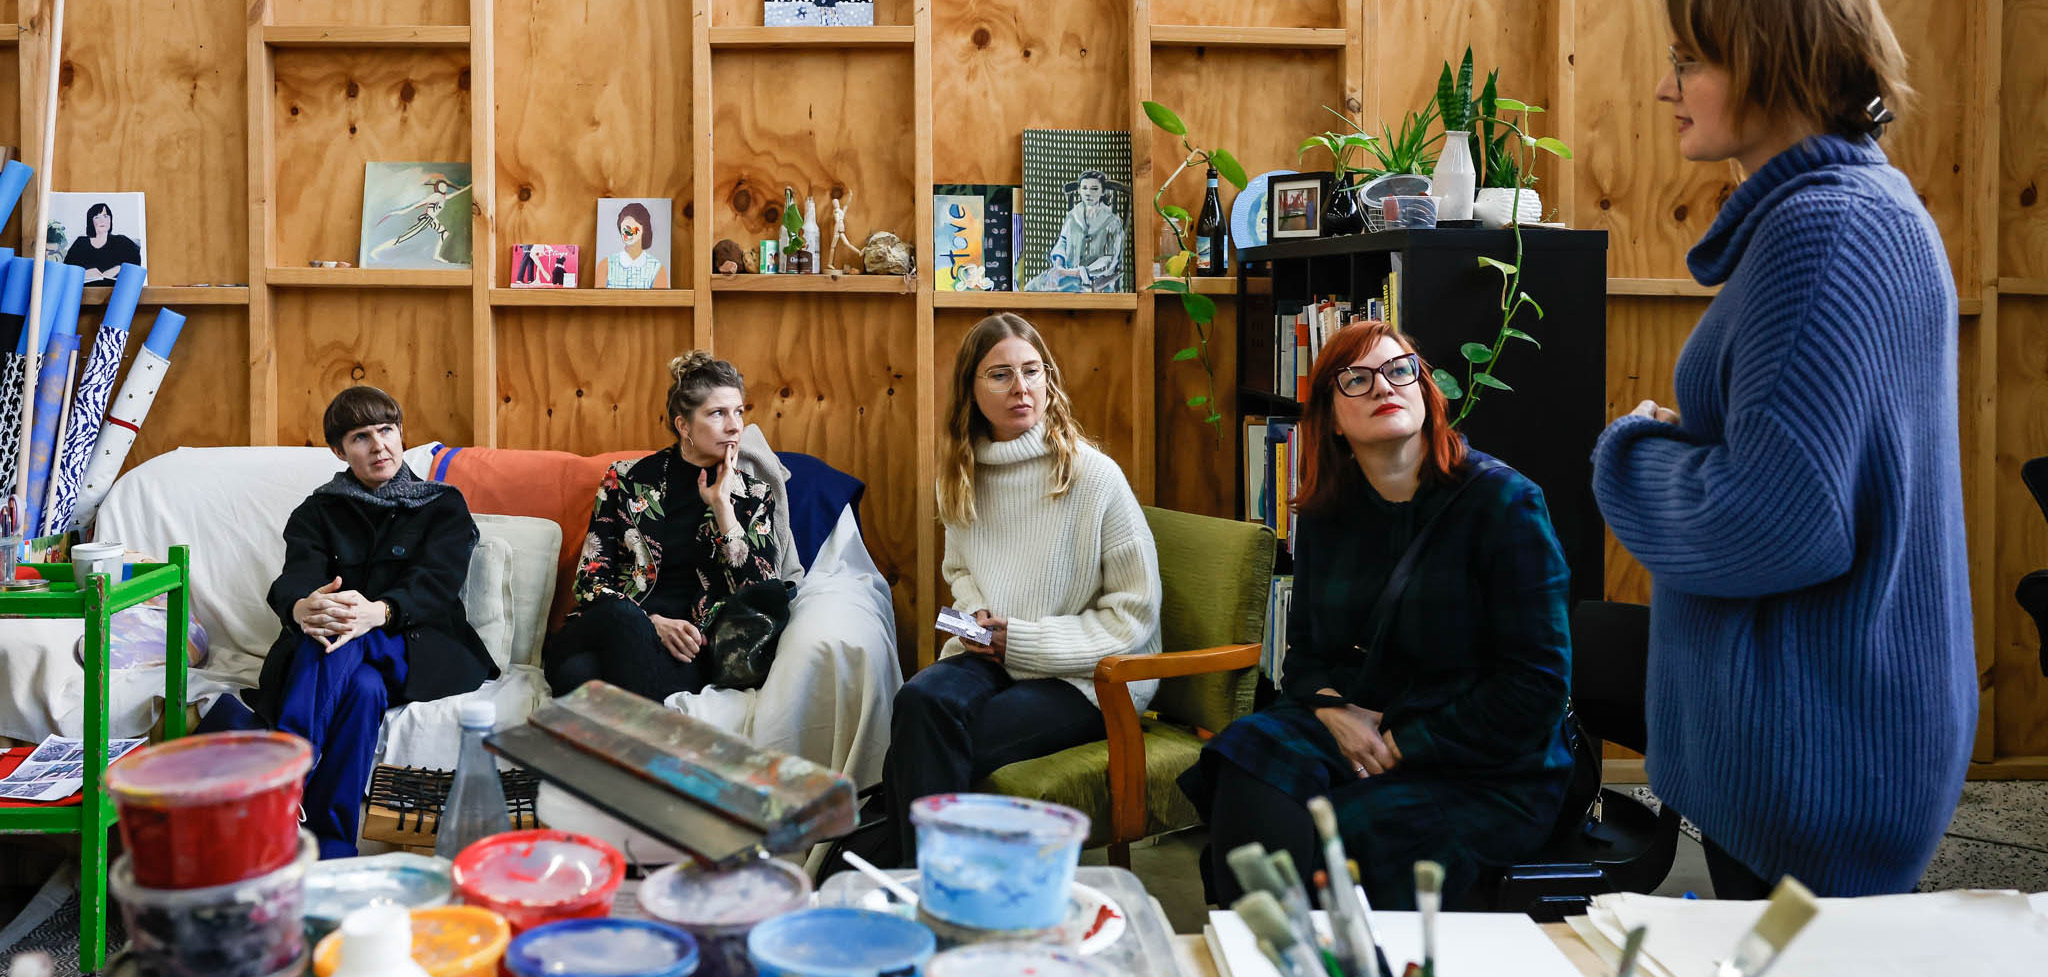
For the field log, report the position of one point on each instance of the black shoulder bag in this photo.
(744, 632)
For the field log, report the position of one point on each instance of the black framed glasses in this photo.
(1357, 381)
(1680, 67)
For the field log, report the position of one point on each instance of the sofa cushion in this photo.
(524, 547)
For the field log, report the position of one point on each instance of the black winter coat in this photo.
(417, 559)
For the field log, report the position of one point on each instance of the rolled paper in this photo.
(55, 375)
(14, 292)
(125, 415)
(89, 402)
(10, 417)
(13, 178)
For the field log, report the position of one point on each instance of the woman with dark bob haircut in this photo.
(370, 599)
(1812, 692)
(1436, 731)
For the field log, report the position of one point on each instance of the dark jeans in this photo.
(612, 639)
(1732, 879)
(965, 717)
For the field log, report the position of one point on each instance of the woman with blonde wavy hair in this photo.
(1047, 548)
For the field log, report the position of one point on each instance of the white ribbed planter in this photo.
(1494, 202)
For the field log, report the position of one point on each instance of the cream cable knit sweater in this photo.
(1077, 576)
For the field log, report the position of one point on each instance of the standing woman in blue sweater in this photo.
(1812, 692)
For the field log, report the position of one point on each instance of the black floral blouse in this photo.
(623, 554)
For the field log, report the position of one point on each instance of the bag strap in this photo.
(1397, 582)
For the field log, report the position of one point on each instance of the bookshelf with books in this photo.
(1431, 285)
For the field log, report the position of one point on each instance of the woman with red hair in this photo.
(1430, 709)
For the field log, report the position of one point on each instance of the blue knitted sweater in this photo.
(1812, 684)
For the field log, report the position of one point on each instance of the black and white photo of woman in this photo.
(99, 250)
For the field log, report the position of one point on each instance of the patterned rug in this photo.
(57, 936)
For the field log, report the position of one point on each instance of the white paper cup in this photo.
(91, 558)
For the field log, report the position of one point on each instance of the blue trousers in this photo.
(336, 702)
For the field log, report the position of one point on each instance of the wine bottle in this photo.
(1211, 240)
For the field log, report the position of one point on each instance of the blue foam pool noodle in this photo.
(13, 178)
(164, 334)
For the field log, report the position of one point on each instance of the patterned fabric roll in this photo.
(51, 382)
(10, 418)
(125, 414)
(89, 402)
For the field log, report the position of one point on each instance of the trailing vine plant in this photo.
(1481, 360)
(1201, 309)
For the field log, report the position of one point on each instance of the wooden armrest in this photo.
(1120, 720)
(1120, 669)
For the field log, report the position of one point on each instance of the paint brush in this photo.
(1429, 897)
(1355, 944)
(881, 878)
(1792, 907)
(1295, 898)
(1263, 915)
(1629, 951)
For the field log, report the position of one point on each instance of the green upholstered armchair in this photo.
(1214, 576)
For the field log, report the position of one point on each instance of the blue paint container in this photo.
(603, 948)
(840, 943)
(991, 862)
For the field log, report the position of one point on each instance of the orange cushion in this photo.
(548, 484)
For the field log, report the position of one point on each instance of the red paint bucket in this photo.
(536, 877)
(210, 810)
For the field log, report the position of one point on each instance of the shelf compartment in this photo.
(179, 295)
(1124, 301)
(371, 277)
(813, 37)
(594, 298)
(1205, 286)
(870, 284)
(341, 35)
(1175, 35)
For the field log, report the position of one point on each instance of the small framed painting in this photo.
(1295, 205)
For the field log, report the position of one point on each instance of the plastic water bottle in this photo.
(376, 941)
(476, 801)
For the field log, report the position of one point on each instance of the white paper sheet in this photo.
(1466, 943)
(56, 769)
(1955, 934)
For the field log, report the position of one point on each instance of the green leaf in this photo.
(1446, 92)
(1497, 265)
(1489, 380)
(1448, 384)
(1554, 146)
(1315, 142)
(1228, 165)
(1168, 285)
(1525, 297)
(1200, 308)
(1198, 400)
(1506, 104)
(1476, 353)
(1465, 85)
(1164, 118)
(1212, 418)
(1177, 213)
(1183, 355)
(1512, 333)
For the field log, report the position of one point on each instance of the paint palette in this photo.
(1090, 912)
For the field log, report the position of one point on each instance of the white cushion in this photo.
(530, 546)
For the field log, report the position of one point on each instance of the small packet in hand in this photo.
(955, 623)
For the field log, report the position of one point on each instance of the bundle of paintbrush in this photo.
(1276, 909)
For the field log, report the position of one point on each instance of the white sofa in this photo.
(827, 697)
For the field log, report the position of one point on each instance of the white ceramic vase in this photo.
(1495, 204)
(1454, 180)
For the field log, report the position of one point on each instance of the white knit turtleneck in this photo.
(1077, 575)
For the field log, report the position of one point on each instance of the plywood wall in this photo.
(559, 102)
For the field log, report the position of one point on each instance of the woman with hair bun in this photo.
(673, 536)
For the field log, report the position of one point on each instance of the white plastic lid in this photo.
(477, 712)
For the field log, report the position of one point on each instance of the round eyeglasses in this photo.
(1357, 381)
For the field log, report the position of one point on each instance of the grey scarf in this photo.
(405, 490)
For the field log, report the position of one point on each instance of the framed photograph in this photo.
(1295, 205)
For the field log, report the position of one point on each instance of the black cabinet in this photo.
(1546, 427)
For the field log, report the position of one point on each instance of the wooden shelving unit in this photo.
(179, 295)
(1175, 35)
(1051, 301)
(338, 35)
(869, 284)
(370, 277)
(819, 37)
(593, 298)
